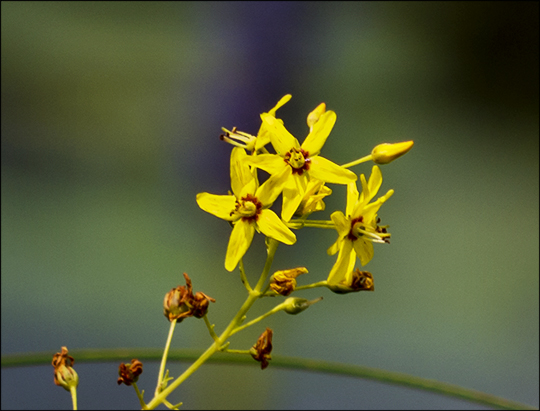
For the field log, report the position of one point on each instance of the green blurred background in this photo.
(111, 114)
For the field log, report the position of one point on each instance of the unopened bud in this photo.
(314, 116)
(360, 281)
(386, 153)
(64, 374)
(284, 282)
(297, 305)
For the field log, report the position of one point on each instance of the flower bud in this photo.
(64, 374)
(386, 153)
(284, 282)
(129, 373)
(262, 348)
(297, 305)
(314, 116)
(360, 281)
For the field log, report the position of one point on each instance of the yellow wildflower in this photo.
(358, 229)
(247, 208)
(303, 160)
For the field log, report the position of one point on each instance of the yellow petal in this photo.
(272, 188)
(293, 192)
(320, 132)
(271, 226)
(241, 174)
(364, 250)
(218, 205)
(249, 188)
(281, 139)
(241, 237)
(280, 103)
(343, 224)
(315, 115)
(363, 199)
(270, 163)
(371, 209)
(325, 170)
(334, 248)
(343, 265)
(375, 181)
(352, 198)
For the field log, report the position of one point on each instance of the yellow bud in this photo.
(314, 116)
(386, 153)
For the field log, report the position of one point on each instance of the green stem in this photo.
(306, 364)
(237, 351)
(210, 328)
(314, 285)
(139, 396)
(274, 310)
(165, 354)
(243, 275)
(235, 323)
(73, 391)
(353, 163)
(296, 224)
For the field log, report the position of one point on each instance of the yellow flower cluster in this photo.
(299, 173)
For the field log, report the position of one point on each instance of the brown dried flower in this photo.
(64, 374)
(284, 282)
(180, 303)
(361, 281)
(262, 348)
(129, 373)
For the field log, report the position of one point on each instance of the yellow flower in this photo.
(303, 160)
(358, 229)
(247, 208)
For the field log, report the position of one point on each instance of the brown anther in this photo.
(129, 373)
(262, 348)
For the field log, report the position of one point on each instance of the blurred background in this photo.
(111, 113)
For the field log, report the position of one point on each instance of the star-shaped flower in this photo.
(247, 208)
(358, 229)
(303, 160)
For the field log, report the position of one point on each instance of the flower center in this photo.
(248, 208)
(376, 234)
(298, 159)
